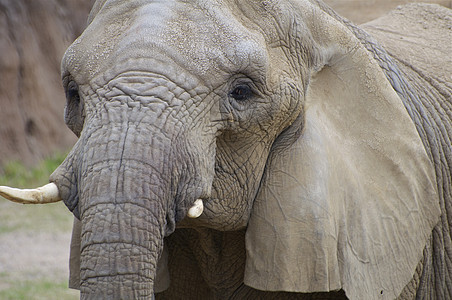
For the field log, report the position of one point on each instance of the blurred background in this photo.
(34, 240)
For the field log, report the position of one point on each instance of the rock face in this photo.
(33, 38)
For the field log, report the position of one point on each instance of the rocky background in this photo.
(33, 37)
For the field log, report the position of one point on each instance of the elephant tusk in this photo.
(46, 194)
(196, 210)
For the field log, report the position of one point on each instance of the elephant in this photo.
(257, 150)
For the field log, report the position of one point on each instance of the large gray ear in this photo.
(351, 204)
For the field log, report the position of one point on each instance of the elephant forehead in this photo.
(214, 38)
(207, 41)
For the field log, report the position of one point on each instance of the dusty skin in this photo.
(55, 246)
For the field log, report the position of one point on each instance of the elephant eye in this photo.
(72, 92)
(241, 92)
(74, 110)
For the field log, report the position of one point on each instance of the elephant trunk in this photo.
(120, 247)
(129, 185)
(126, 209)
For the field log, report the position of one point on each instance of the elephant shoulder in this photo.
(419, 35)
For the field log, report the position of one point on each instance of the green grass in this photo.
(48, 217)
(16, 174)
(37, 290)
(29, 220)
(42, 217)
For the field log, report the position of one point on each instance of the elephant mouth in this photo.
(49, 193)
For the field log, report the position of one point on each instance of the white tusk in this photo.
(196, 210)
(46, 194)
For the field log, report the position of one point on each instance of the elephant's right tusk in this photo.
(196, 210)
(46, 194)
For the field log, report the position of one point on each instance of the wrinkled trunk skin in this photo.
(122, 238)
(129, 186)
(123, 219)
(119, 259)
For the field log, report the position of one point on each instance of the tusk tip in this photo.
(196, 210)
(46, 194)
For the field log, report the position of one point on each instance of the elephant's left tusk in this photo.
(46, 194)
(196, 210)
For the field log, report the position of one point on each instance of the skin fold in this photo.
(323, 160)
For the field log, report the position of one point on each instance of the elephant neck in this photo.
(219, 261)
(210, 264)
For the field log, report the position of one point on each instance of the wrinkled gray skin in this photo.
(158, 94)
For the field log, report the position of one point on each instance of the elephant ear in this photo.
(352, 202)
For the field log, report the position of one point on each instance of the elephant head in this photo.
(271, 113)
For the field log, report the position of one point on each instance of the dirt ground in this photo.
(28, 255)
(34, 251)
